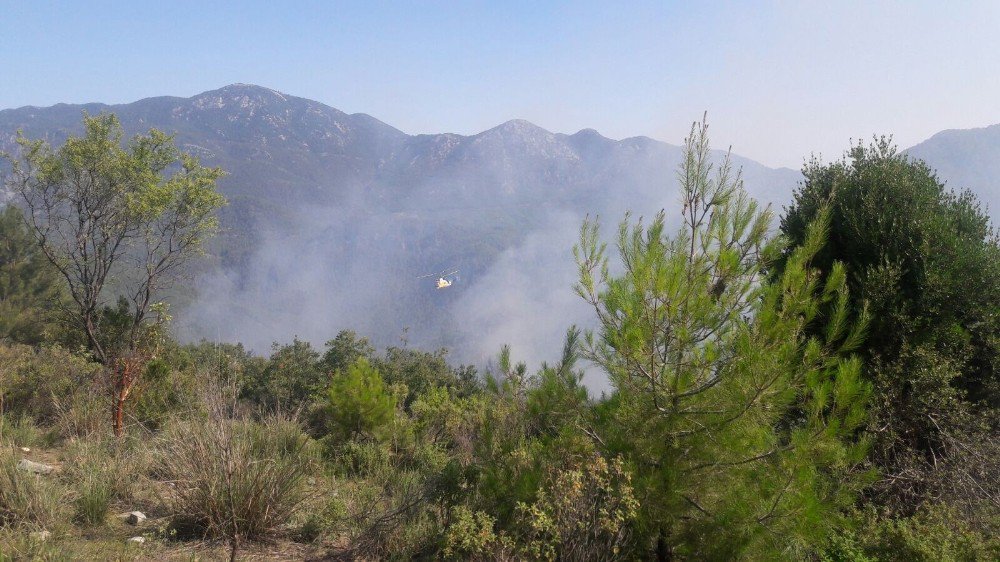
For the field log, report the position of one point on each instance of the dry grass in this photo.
(234, 479)
(27, 501)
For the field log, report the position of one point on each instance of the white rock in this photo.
(137, 540)
(40, 535)
(35, 467)
(133, 517)
(25, 449)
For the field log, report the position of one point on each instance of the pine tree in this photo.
(360, 403)
(740, 427)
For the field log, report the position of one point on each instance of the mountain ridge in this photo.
(331, 217)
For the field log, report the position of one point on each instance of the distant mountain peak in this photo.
(239, 96)
(519, 127)
(240, 88)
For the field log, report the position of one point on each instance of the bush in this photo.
(925, 262)
(936, 533)
(287, 381)
(471, 536)
(359, 459)
(93, 500)
(163, 392)
(33, 382)
(22, 432)
(80, 415)
(236, 479)
(581, 514)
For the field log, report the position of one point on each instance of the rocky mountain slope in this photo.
(967, 158)
(332, 215)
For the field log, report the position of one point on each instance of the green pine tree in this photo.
(360, 403)
(739, 427)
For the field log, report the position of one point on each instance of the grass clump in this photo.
(105, 473)
(94, 500)
(27, 501)
(235, 478)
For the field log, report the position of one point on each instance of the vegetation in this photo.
(925, 263)
(29, 285)
(108, 219)
(717, 386)
(828, 394)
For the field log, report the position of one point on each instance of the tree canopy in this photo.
(925, 262)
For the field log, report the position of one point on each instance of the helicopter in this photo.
(443, 282)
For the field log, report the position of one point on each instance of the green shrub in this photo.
(326, 516)
(359, 459)
(33, 382)
(163, 392)
(23, 432)
(105, 472)
(471, 536)
(936, 533)
(287, 381)
(581, 514)
(81, 415)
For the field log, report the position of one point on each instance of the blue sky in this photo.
(780, 80)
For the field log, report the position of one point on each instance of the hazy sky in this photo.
(779, 79)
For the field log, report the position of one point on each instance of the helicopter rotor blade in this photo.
(443, 273)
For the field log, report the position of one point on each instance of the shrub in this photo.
(80, 415)
(22, 432)
(471, 536)
(581, 514)
(105, 472)
(236, 479)
(93, 500)
(925, 262)
(163, 392)
(288, 380)
(936, 533)
(360, 459)
(33, 382)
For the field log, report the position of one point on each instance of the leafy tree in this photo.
(290, 378)
(344, 350)
(29, 286)
(926, 262)
(116, 222)
(740, 429)
(420, 371)
(360, 403)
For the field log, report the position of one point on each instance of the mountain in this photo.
(966, 158)
(333, 215)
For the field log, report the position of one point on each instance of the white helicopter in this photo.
(443, 282)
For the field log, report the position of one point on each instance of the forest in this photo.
(818, 383)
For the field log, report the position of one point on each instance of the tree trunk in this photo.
(663, 552)
(119, 413)
(124, 372)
